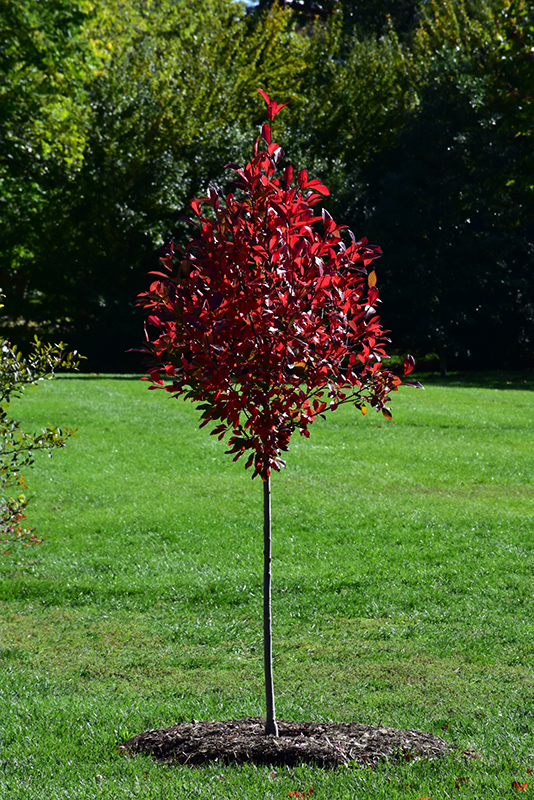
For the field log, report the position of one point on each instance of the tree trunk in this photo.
(271, 727)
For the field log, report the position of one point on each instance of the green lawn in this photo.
(403, 593)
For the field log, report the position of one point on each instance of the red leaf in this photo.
(288, 175)
(303, 179)
(264, 95)
(521, 787)
(266, 133)
(409, 364)
(317, 186)
(195, 205)
(329, 224)
(272, 107)
(156, 377)
(277, 152)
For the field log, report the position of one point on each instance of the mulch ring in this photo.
(244, 741)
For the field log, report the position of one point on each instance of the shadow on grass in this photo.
(498, 379)
(99, 376)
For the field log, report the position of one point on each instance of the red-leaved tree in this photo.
(266, 319)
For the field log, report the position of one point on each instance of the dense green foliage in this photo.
(403, 593)
(453, 198)
(417, 114)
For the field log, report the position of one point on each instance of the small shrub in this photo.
(17, 446)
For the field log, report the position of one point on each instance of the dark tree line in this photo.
(418, 115)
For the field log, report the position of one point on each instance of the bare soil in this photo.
(244, 741)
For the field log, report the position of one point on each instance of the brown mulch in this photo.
(244, 741)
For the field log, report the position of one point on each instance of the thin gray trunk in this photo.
(271, 727)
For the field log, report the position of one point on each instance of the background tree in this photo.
(359, 92)
(450, 198)
(365, 17)
(154, 113)
(114, 114)
(265, 322)
(45, 65)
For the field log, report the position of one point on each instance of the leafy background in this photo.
(417, 115)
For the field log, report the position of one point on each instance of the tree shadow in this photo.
(487, 379)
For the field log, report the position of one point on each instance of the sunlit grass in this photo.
(403, 593)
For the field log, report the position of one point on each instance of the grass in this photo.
(403, 593)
